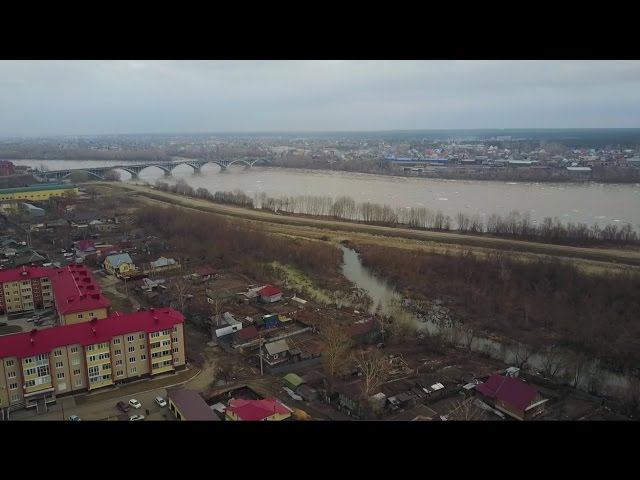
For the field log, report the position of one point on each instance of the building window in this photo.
(57, 353)
(78, 382)
(60, 375)
(11, 375)
(75, 361)
(30, 371)
(76, 372)
(118, 362)
(134, 369)
(9, 363)
(142, 347)
(132, 349)
(143, 357)
(116, 341)
(74, 349)
(13, 386)
(58, 364)
(130, 338)
(132, 359)
(119, 373)
(141, 336)
(15, 397)
(175, 349)
(117, 352)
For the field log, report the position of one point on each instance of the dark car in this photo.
(123, 407)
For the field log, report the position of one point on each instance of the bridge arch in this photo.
(95, 175)
(166, 170)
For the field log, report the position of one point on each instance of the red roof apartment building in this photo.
(71, 290)
(39, 365)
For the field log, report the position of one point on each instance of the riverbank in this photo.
(598, 258)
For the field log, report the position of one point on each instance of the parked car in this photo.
(135, 403)
(123, 407)
(161, 402)
(135, 418)
(292, 394)
(74, 418)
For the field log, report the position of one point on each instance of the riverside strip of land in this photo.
(587, 257)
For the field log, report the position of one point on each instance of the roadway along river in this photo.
(578, 202)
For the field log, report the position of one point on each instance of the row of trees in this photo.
(223, 243)
(539, 303)
(514, 225)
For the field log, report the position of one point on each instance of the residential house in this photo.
(268, 409)
(364, 331)
(276, 352)
(270, 294)
(189, 405)
(119, 264)
(245, 335)
(162, 264)
(512, 396)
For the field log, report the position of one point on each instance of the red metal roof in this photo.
(509, 390)
(362, 328)
(73, 287)
(269, 291)
(24, 273)
(35, 342)
(75, 290)
(256, 409)
(246, 333)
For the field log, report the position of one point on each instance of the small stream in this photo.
(594, 378)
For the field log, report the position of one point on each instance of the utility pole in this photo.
(260, 355)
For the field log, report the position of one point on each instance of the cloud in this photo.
(89, 97)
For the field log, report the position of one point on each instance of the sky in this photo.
(120, 97)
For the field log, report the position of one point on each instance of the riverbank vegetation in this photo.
(514, 225)
(540, 303)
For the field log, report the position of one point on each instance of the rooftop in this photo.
(35, 342)
(191, 405)
(39, 187)
(256, 409)
(512, 391)
(118, 259)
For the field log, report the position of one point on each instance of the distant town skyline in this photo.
(51, 98)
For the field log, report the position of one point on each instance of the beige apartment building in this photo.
(40, 365)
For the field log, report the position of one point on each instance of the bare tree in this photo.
(468, 334)
(374, 367)
(337, 344)
(522, 354)
(181, 290)
(577, 366)
(465, 410)
(551, 361)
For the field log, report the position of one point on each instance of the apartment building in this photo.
(25, 289)
(71, 290)
(39, 365)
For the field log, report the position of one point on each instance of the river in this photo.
(571, 202)
(593, 377)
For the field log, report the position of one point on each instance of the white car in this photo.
(135, 418)
(135, 403)
(292, 394)
(161, 401)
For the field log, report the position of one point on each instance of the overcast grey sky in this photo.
(95, 97)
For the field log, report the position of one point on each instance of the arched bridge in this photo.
(135, 169)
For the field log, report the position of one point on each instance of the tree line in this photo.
(543, 303)
(223, 243)
(514, 225)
